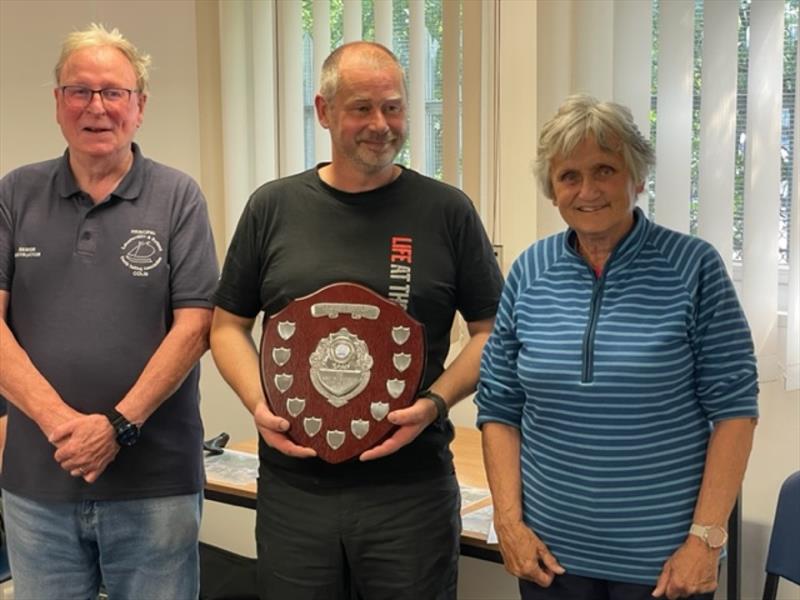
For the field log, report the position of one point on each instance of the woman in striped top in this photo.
(618, 390)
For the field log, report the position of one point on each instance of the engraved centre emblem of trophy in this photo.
(336, 362)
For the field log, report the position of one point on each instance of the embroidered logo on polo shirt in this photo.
(27, 252)
(142, 252)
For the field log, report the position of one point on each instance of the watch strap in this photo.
(116, 418)
(702, 531)
(441, 405)
(126, 433)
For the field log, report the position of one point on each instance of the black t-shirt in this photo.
(416, 240)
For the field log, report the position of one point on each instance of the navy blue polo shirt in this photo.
(92, 289)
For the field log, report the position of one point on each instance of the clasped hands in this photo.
(85, 446)
(410, 422)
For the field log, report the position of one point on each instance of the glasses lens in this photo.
(77, 95)
(115, 95)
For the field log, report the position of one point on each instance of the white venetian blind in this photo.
(762, 180)
(249, 104)
(717, 66)
(791, 363)
(632, 54)
(352, 20)
(322, 46)
(416, 75)
(718, 128)
(674, 114)
(289, 59)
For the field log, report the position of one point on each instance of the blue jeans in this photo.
(137, 548)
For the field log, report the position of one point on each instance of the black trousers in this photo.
(371, 542)
(575, 587)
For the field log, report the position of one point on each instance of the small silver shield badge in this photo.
(359, 427)
(286, 329)
(294, 406)
(400, 335)
(401, 361)
(379, 410)
(395, 387)
(335, 438)
(312, 425)
(281, 356)
(283, 381)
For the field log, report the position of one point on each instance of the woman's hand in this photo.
(525, 555)
(692, 569)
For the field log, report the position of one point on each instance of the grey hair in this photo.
(372, 53)
(96, 35)
(611, 125)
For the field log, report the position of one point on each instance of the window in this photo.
(723, 101)
(787, 150)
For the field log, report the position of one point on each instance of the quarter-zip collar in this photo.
(625, 251)
(623, 254)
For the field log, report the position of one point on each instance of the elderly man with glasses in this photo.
(107, 264)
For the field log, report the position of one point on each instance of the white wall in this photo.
(29, 47)
(181, 129)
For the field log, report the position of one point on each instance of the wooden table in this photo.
(468, 458)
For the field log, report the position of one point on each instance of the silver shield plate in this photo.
(312, 425)
(294, 406)
(335, 438)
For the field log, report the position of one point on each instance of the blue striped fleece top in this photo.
(614, 382)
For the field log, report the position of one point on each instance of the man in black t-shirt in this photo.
(384, 525)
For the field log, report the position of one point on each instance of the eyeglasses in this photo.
(80, 96)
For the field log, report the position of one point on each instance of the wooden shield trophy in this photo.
(336, 362)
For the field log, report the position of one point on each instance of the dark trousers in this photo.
(575, 587)
(372, 542)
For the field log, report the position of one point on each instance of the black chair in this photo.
(783, 558)
(5, 568)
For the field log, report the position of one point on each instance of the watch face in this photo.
(127, 434)
(716, 537)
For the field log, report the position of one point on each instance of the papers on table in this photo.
(232, 467)
(476, 511)
(478, 520)
(472, 495)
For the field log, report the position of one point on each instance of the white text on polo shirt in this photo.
(27, 252)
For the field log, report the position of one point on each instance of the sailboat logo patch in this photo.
(142, 252)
